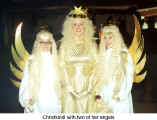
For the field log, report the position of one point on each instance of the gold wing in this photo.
(20, 56)
(136, 50)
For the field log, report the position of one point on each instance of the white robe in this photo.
(125, 104)
(48, 101)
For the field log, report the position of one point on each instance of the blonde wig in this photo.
(35, 64)
(88, 25)
(69, 37)
(117, 36)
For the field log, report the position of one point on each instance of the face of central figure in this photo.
(78, 27)
(45, 41)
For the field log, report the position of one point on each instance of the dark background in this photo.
(52, 12)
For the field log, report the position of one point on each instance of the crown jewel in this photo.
(78, 12)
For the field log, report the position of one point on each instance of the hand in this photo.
(70, 89)
(75, 94)
(83, 93)
(101, 106)
(28, 109)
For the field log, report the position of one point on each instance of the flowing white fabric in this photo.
(48, 101)
(125, 104)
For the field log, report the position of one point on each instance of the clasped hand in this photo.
(79, 94)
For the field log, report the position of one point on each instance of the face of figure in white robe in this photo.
(108, 40)
(112, 38)
(45, 42)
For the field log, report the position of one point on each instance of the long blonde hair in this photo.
(34, 67)
(104, 74)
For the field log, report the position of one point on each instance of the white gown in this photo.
(48, 101)
(125, 104)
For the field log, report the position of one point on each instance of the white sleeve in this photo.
(128, 80)
(23, 90)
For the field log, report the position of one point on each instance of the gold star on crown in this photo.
(78, 12)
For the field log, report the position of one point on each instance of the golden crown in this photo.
(79, 12)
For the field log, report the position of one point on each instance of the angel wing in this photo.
(136, 50)
(20, 56)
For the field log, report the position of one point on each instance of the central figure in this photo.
(78, 52)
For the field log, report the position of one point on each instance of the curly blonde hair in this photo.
(69, 38)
